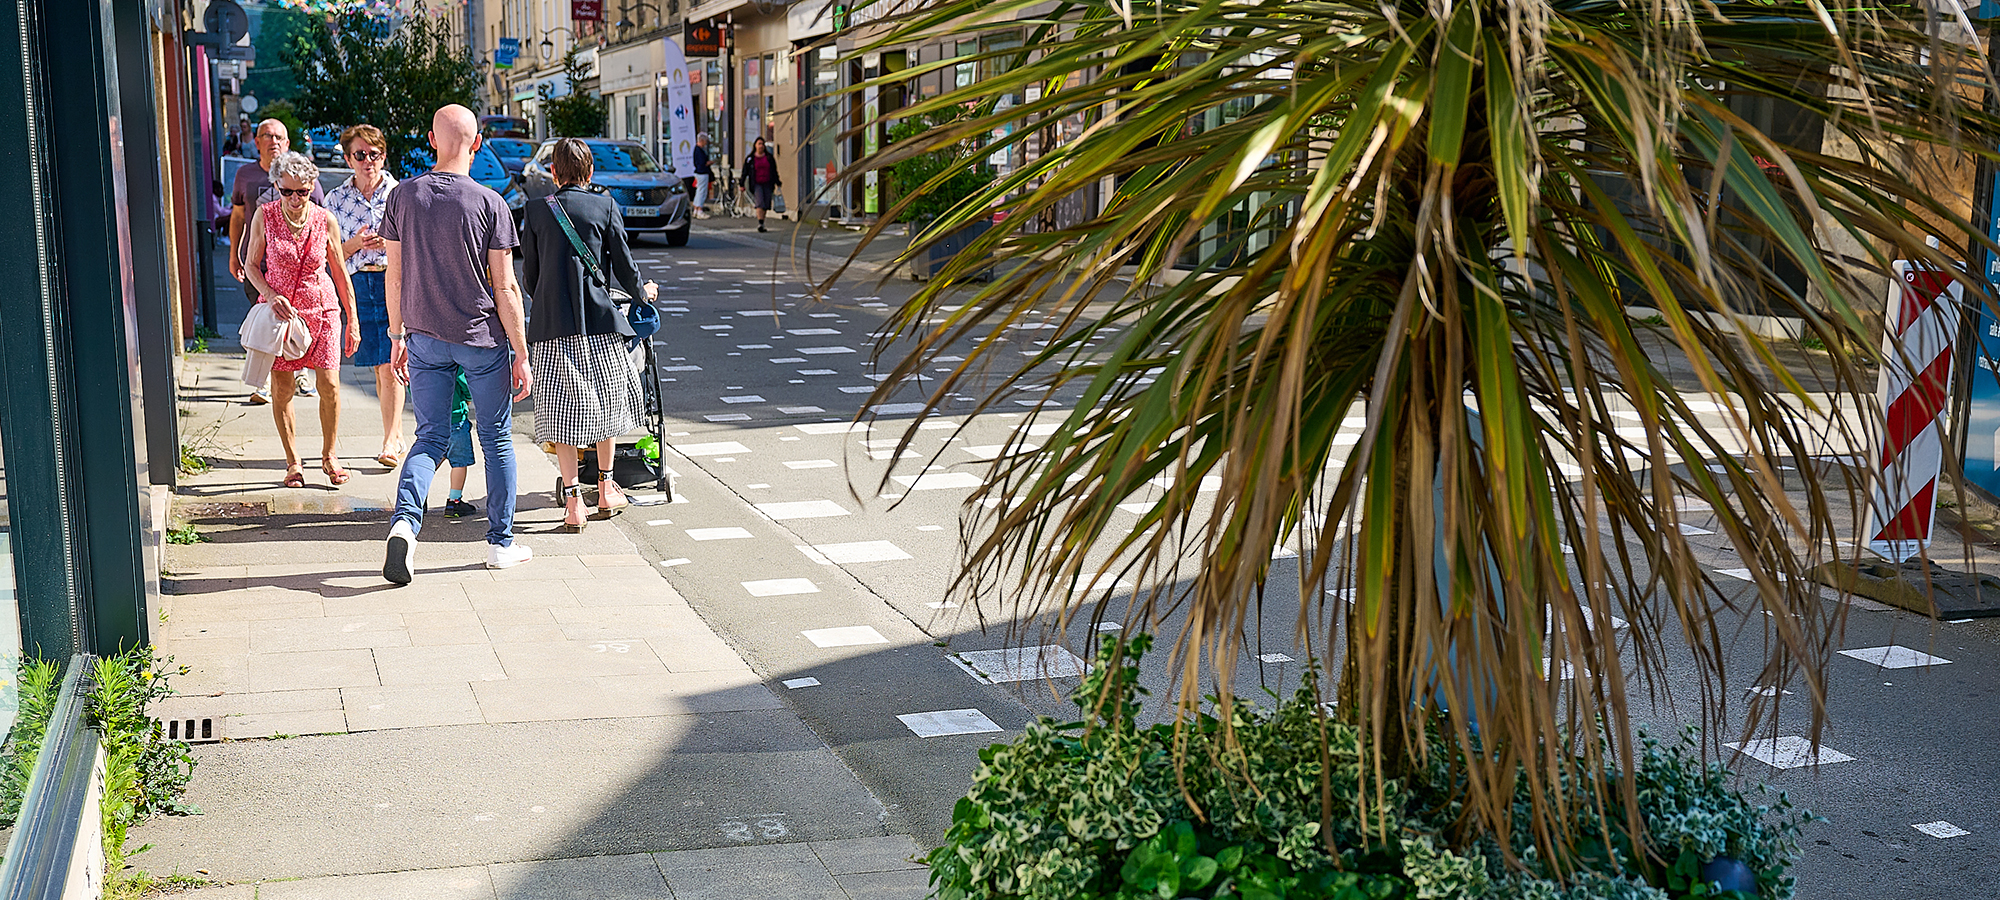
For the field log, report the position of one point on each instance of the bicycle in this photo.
(729, 196)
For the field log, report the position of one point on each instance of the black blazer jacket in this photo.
(564, 300)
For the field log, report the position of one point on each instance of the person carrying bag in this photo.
(585, 387)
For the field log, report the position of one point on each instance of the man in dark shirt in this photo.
(448, 238)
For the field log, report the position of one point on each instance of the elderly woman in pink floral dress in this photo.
(293, 260)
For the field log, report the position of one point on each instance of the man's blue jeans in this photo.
(489, 372)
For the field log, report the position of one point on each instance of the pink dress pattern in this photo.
(295, 266)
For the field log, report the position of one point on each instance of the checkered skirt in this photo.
(586, 389)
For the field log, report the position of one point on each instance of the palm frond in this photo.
(1451, 221)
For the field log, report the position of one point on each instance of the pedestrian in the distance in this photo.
(704, 172)
(586, 389)
(293, 263)
(453, 305)
(760, 176)
(357, 204)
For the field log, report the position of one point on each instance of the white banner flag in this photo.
(679, 104)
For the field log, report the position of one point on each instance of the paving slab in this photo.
(440, 797)
(628, 877)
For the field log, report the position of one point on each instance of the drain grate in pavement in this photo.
(191, 730)
(193, 511)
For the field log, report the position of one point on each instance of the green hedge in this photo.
(1074, 811)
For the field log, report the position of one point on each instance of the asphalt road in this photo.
(789, 543)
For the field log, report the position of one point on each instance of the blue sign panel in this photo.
(1982, 423)
(504, 55)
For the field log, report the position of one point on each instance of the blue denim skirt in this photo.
(371, 310)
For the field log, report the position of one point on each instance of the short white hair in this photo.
(292, 164)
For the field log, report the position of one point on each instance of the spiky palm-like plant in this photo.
(1443, 214)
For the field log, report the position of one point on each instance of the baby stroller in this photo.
(636, 465)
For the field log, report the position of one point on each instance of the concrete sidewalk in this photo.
(567, 727)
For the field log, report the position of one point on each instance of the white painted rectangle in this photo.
(810, 464)
(743, 398)
(807, 332)
(796, 683)
(845, 636)
(800, 410)
(1895, 657)
(934, 481)
(1941, 829)
(1100, 583)
(862, 552)
(824, 351)
(780, 587)
(802, 509)
(1788, 752)
(718, 534)
(717, 448)
(1024, 663)
(728, 417)
(897, 409)
(948, 722)
(831, 427)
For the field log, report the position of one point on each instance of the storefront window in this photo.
(963, 73)
(635, 117)
(821, 122)
(715, 118)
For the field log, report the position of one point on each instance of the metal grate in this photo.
(193, 731)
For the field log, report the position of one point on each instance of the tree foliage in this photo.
(932, 181)
(392, 74)
(1437, 220)
(575, 114)
(277, 29)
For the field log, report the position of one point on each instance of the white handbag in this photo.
(265, 337)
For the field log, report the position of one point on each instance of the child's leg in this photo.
(459, 454)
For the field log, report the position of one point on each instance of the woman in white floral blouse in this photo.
(358, 205)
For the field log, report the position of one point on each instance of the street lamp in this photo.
(549, 46)
(625, 24)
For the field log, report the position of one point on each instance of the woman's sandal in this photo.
(573, 492)
(334, 473)
(616, 508)
(295, 477)
(390, 458)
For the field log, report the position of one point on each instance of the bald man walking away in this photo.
(449, 240)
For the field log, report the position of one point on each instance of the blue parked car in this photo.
(323, 144)
(513, 152)
(651, 197)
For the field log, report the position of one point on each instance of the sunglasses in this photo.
(296, 192)
(366, 155)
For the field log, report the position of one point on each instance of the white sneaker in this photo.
(305, 384)
(498, 557)
(401, 561)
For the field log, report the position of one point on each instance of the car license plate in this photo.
(640, 210)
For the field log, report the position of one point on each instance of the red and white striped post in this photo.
(1914, 386)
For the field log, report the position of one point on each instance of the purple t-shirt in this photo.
(251, 189)
(445, 223)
